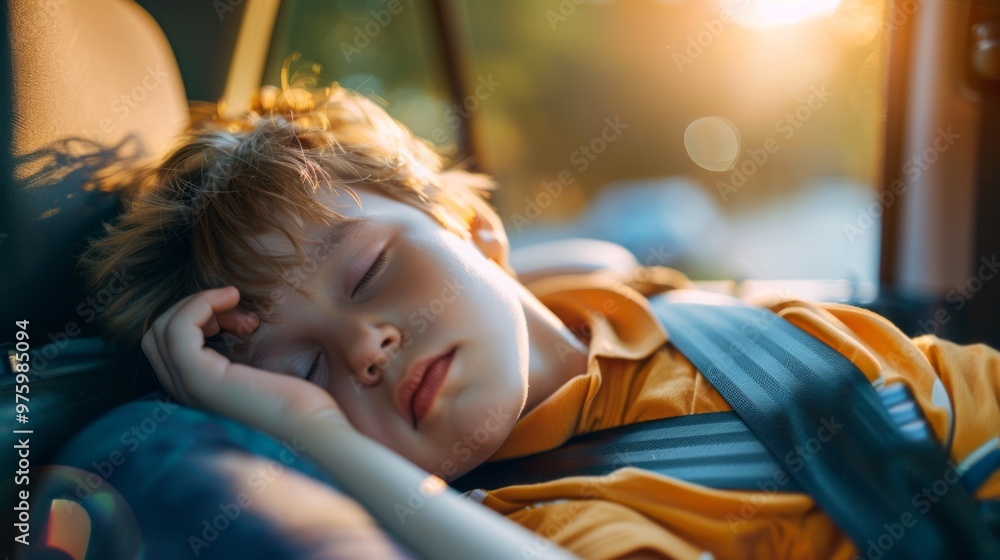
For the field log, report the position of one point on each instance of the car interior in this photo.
(885, 197)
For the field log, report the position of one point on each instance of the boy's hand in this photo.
(281, 405)
(288, 407)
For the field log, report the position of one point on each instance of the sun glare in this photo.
(765, 14)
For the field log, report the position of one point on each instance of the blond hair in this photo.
(191, 222)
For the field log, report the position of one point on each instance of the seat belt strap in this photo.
(823, 422)
(716, 450)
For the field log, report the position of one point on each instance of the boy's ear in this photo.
(488, 234)
(238, 321)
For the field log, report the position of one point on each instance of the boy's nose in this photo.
(376, 350)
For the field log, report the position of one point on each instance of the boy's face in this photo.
(395, 291)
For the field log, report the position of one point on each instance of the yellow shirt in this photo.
(633, 376)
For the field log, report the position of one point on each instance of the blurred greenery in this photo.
(387, 50)
(561, 72)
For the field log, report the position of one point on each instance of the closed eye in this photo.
(312, 369)
(371, 272)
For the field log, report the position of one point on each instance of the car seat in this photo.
(93, 83)
(87, 83)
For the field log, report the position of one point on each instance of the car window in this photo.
(729, 138)
(387, 50)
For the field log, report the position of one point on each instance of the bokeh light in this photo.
(86, 517)
(68, 528)
(713, 143)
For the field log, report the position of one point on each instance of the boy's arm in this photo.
(420, 509)
(417, 507)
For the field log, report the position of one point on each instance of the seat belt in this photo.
(817, 415)
(822, 420)
(716, 450)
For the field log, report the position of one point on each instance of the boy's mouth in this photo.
(418, 389)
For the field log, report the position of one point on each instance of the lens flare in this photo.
(86, 517)
(713, 143)
(765, 14)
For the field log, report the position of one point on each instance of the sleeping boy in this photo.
(366, 307)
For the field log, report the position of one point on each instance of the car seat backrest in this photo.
(87, 82)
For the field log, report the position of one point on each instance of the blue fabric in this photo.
(981, 471)
(163, 459)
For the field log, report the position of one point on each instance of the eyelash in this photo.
(371, 272)
(313, 367)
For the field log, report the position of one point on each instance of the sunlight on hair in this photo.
(765, 14)
(713, 143)
(235, 177)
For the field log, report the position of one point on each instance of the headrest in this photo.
(86, 83)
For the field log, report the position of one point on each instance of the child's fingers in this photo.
(162, 348)
(202, 311)
(183, 340)
(201, 376)
(238, 321)
(211, 327)
(186, 326)
(152, 345)
(220, 301)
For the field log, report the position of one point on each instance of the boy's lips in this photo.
(418, 388)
